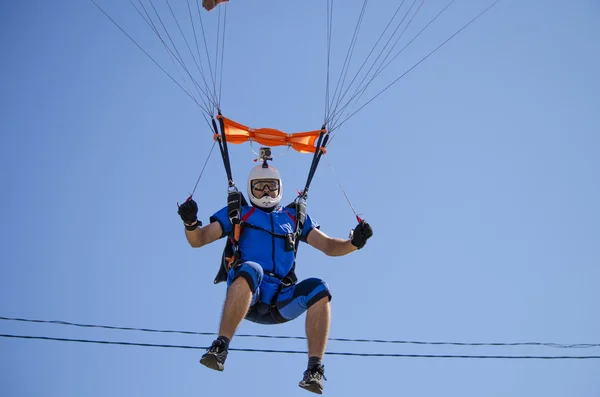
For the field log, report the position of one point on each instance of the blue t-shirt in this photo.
(259, 245)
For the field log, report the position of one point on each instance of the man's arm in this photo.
(331, 246)
(204, 235)
(336, 246)
(196, 235)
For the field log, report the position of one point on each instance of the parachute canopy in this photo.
(210, 4)
(236, 133)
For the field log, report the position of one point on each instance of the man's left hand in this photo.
(362, 232)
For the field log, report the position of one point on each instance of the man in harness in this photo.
(259, 270)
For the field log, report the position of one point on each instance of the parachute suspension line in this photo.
(206, 90)
(360, 89)
(212, 75)
(370, 53)
(358, 218)
(416, 36)
(222, 57)
(417, 63)
(346, 62)
(176, 54)
(203, 167)
(207, 122)
(187, 43)
(151, 25)
(149, 56)
(173, 55)
(329, 26)
(349, 53)
(216, 68)
(202, 72)
(341, 96)
(384, 65)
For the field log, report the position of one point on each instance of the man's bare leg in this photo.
(318, 318)
(317, 327)
(237, 303)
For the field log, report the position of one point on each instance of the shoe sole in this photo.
(313, 387)
(211, 362)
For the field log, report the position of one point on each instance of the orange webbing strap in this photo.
(237, 230)
(303, 142)
(230, 261)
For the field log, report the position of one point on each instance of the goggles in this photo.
(261, 184)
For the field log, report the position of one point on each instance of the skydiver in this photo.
(258, 284)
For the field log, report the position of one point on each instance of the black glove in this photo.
(188, 211)
(361, 234)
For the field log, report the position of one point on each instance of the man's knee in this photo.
(316, 290)
(294, 301)
(250, 271)
(319, 302)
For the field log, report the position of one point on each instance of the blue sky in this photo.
(478, 172)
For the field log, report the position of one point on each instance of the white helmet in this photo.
(265, 173)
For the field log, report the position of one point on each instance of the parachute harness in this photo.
(304, 142)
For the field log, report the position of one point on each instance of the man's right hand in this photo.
(188, 211)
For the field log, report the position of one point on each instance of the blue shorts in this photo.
(273, 303)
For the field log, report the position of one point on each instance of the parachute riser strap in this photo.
(300, 215)
(234, 213)
(301, 199)
(321, 142)
(300, 218)
(222, 140)
(311, 173)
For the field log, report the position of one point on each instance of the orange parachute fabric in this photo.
(303, 142)
(210, 4)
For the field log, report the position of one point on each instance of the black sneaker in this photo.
(313, 379)
(215, 356)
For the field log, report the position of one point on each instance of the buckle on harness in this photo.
(231, 261)
(290, 242)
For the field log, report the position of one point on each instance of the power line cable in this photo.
(384, 341)
(396, 355)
